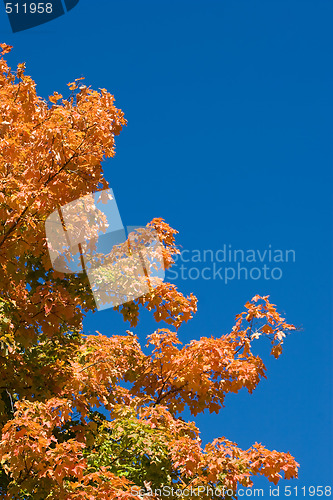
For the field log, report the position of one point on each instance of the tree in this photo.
(54, 443)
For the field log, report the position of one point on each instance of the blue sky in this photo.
(229, 138)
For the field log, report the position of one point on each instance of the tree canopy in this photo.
(98, 417)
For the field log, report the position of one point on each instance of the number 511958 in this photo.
(29, 8)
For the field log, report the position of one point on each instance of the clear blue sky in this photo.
(229, 138)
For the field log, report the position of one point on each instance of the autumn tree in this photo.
(92, 417)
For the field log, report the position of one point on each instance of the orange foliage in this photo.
(53, 442)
